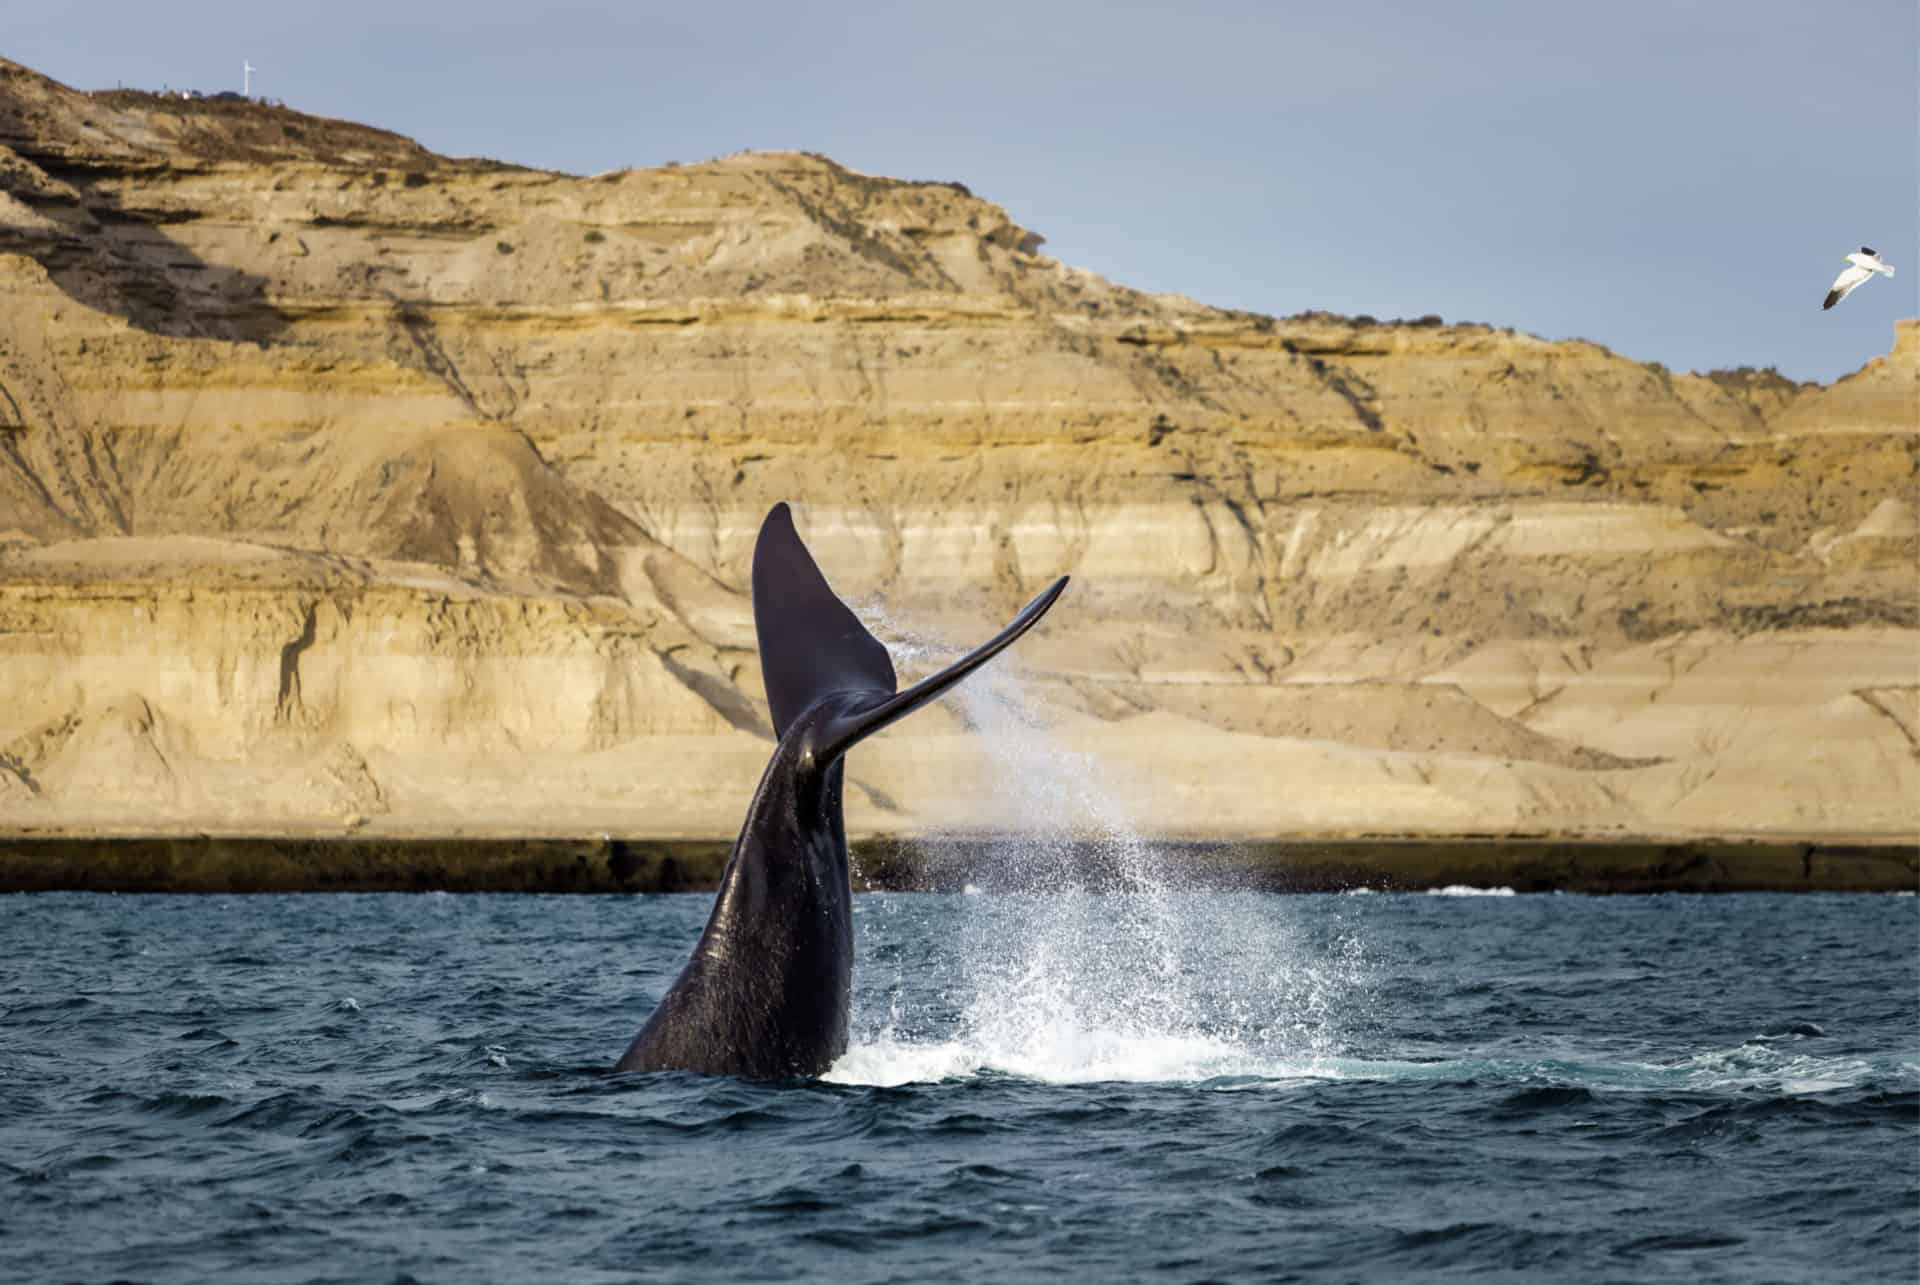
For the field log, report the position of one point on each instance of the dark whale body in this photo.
(767, 992)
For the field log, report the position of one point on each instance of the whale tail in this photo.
(812, 646)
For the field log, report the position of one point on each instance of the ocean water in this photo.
(1141, 1085)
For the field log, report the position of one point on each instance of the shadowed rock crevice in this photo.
(287, 707)
(726, 700)
(493, 396)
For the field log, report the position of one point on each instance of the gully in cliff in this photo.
(767, 992)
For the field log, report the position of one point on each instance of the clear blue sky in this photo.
(1676, 180)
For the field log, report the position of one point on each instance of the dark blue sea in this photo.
(1062, 1086)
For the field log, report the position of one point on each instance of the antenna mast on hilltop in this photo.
(246, 78)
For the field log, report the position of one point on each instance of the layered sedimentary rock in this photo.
(348, 487)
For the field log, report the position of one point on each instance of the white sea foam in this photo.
(1468, 890)
(1764, 1064)
(1094, 1056)
(1068, 1057)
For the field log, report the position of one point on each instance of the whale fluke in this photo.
(769, 988)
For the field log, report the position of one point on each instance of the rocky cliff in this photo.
(345, 487)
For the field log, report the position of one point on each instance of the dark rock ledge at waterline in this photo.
(266, 864)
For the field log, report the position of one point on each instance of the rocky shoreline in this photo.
(244, 864)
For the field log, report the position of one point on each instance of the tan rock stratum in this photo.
(349, 488)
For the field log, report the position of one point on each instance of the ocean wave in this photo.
(1103, 1086)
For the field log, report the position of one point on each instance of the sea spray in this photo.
(1087, 957)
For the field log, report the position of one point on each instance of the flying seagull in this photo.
(1862, 266)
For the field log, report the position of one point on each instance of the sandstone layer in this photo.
(346, 488)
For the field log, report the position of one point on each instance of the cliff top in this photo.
(47, 122)
(868, 236)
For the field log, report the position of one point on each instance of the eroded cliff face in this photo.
(347, 486)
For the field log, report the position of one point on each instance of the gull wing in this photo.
(1845, 284)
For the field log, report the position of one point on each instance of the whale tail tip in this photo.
(812, 645)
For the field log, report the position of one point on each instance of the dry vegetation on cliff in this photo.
(348, 487)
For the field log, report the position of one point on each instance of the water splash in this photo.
(1081, 954)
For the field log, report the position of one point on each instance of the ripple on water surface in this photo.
(1208, 1085)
